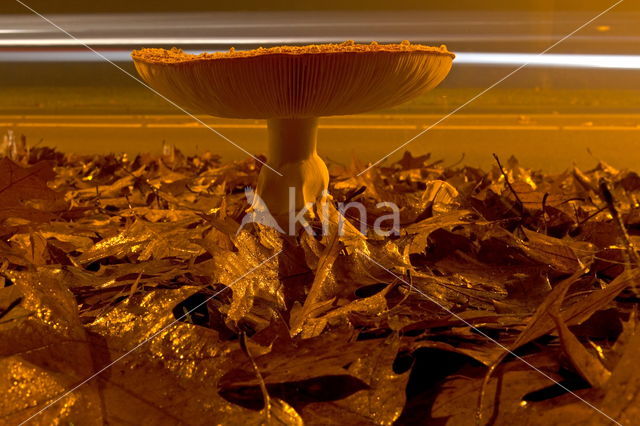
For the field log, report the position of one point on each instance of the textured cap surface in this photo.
(288, 81)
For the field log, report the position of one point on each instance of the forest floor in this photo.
(129, 294)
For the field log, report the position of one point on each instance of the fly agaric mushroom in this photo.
(291, 87)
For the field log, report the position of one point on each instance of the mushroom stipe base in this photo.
(292, 152)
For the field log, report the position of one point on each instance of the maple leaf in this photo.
(249, 250)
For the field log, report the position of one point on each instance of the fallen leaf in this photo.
(24, 192)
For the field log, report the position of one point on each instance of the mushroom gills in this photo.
(292, 152)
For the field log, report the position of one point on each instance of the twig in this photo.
(607, 197)
(519, 203)
(154, 189)
(544, 211)
(592, 215)
(263, 386)
(457, 162)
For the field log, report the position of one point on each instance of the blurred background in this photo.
(579, 103)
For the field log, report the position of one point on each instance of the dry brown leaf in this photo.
(24, 192)
(421, 230)
(585, 362)
(319, 294)
(622, 391)
(147, 240)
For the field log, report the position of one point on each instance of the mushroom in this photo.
(291, 87)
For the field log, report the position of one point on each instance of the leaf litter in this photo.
(508, 296)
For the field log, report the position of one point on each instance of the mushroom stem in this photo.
(292, 152)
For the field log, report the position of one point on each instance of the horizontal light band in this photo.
(550, 60)
(416, 36)
(462, 58)
(17, 31)
(161, 41)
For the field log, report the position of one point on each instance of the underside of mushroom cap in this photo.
(292, 82)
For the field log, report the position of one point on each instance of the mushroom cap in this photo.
(293, 82)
